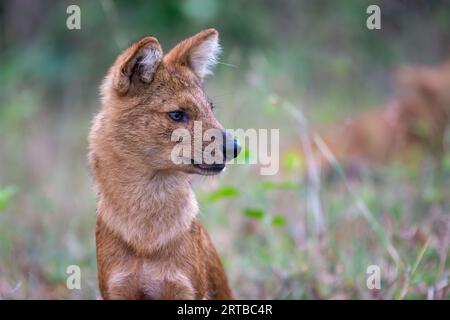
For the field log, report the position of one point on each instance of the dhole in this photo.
(150, 242)
(424, 108)
(414, 122)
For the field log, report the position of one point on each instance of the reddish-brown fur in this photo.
(416, 120)
(424, 111)
(150, 243)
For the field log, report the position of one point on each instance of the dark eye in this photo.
(178, 116)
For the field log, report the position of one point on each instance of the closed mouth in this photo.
(210, 168)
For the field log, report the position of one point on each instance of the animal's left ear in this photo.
(198, 53)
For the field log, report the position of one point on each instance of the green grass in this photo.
(396, 216)
(261, 225)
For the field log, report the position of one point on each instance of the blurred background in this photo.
(309, 68)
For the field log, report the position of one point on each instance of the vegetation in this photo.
(315, 56)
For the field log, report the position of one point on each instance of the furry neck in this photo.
(147, 209)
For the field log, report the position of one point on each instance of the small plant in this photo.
(6, 193)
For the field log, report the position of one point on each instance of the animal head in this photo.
(149, 98)
(424, 107)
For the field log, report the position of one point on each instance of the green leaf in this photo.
(5, 196)
(222, 193)
(244, 156)
(278, 221)
(293, 160)
(254, 213)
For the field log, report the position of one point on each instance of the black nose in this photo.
(231, 147)
(236, 148)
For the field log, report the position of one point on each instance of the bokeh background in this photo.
(316, 57)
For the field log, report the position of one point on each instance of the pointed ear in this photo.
(138, 63)
(198, 53)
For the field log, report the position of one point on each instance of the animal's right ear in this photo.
(138, 63)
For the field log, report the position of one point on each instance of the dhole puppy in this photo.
(150, 242)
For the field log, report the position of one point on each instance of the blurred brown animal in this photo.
(424, 107)
(414, 122)
(150, 242)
